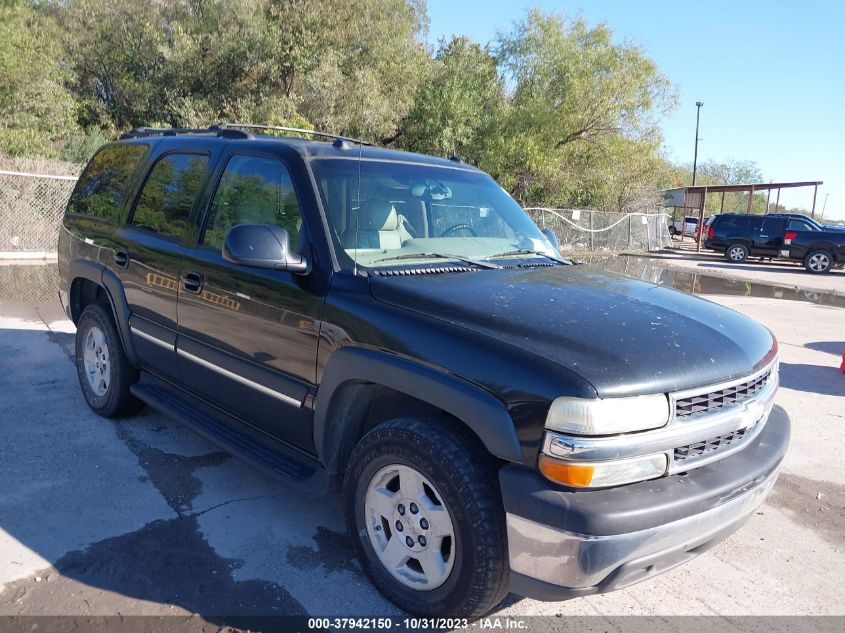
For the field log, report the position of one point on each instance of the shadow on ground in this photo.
(817, 379)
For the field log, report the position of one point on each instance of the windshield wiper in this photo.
(459, 258)
(528, 251)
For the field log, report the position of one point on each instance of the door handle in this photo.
(121, 259)
(192, 282)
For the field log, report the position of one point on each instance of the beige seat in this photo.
(379, 226)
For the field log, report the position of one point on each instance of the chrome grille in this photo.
(707, 446)
(714, 399)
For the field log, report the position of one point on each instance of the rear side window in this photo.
(801, 225)
(253, 190)
(743, 222)
(102, 186)
(165, 203)
(774, 225)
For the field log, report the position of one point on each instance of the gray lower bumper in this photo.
(552, 558)
(578, 564)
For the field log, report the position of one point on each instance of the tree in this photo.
(367, 76)
(579, 103)
(37, 113)
(458, 98)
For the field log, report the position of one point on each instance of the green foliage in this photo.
(36, 111)
(579, 106)
(557, 110)
(460, 95)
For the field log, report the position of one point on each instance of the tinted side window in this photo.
(165, 203)
(253, 190)
(102, 186)
(800, 225)
(773, 226)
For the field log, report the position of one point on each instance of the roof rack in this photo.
(216, 130)
(297, 130)
(236, 130)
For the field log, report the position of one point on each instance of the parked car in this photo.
(809, 220)
(820, 251)
(771, 236)
(739, 236)
(393, 326)
(686, 225)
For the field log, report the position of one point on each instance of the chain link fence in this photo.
(33, 196)
(580, 230)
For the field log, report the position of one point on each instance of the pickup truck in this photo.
(781, 236)
(394, 328)
(819, 251)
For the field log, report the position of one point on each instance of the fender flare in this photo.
(111, 284)
(484, 414)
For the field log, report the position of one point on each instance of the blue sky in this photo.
(771, 76)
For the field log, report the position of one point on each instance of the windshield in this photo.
(405, 213)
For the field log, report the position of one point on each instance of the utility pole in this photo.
(698, 105)
(824, 206)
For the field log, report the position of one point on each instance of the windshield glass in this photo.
(405, 213)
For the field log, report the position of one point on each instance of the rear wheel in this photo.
(104, 372)
(818, 262)
(426, 518)
(736, 253)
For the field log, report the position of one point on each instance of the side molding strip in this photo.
(244, 381)
(152, 339)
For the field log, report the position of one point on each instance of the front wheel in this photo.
(818, 262)
(426, 519)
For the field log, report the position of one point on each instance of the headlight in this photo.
(608, 416)
(600, 474)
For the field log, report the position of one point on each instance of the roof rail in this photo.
(279, 128)
(216, 130)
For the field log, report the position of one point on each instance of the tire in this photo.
(736, 253)
(469, 566)
(818, 262)
(104, 372)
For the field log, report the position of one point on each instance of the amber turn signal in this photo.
(567, 474)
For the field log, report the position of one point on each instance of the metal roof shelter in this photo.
(696, 197)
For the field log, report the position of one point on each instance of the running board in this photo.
(258, 449)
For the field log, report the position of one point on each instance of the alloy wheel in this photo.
(96, 361)
(409, 527)
(819, 262)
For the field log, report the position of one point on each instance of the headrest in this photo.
(377, 214)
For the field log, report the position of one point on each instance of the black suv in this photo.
(396, 327)
(786, 236)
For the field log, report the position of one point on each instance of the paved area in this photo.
(142, 516)
(777, 273)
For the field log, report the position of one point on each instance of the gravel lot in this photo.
(143, 517)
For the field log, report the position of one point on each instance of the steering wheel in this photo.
(458, 227)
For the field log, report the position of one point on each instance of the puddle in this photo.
(38, 284)
(699, 284)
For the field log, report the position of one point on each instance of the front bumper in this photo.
(565, 544)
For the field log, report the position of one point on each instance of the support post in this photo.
(722, 206)
(750, 198)
(768, 197)
(777, 200)
(701, 220)
(592, 235)
(815, 193)
(630, 230)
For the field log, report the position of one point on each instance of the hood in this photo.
(622, 335)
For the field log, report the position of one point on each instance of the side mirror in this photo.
(262, 246)
(552, 237)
